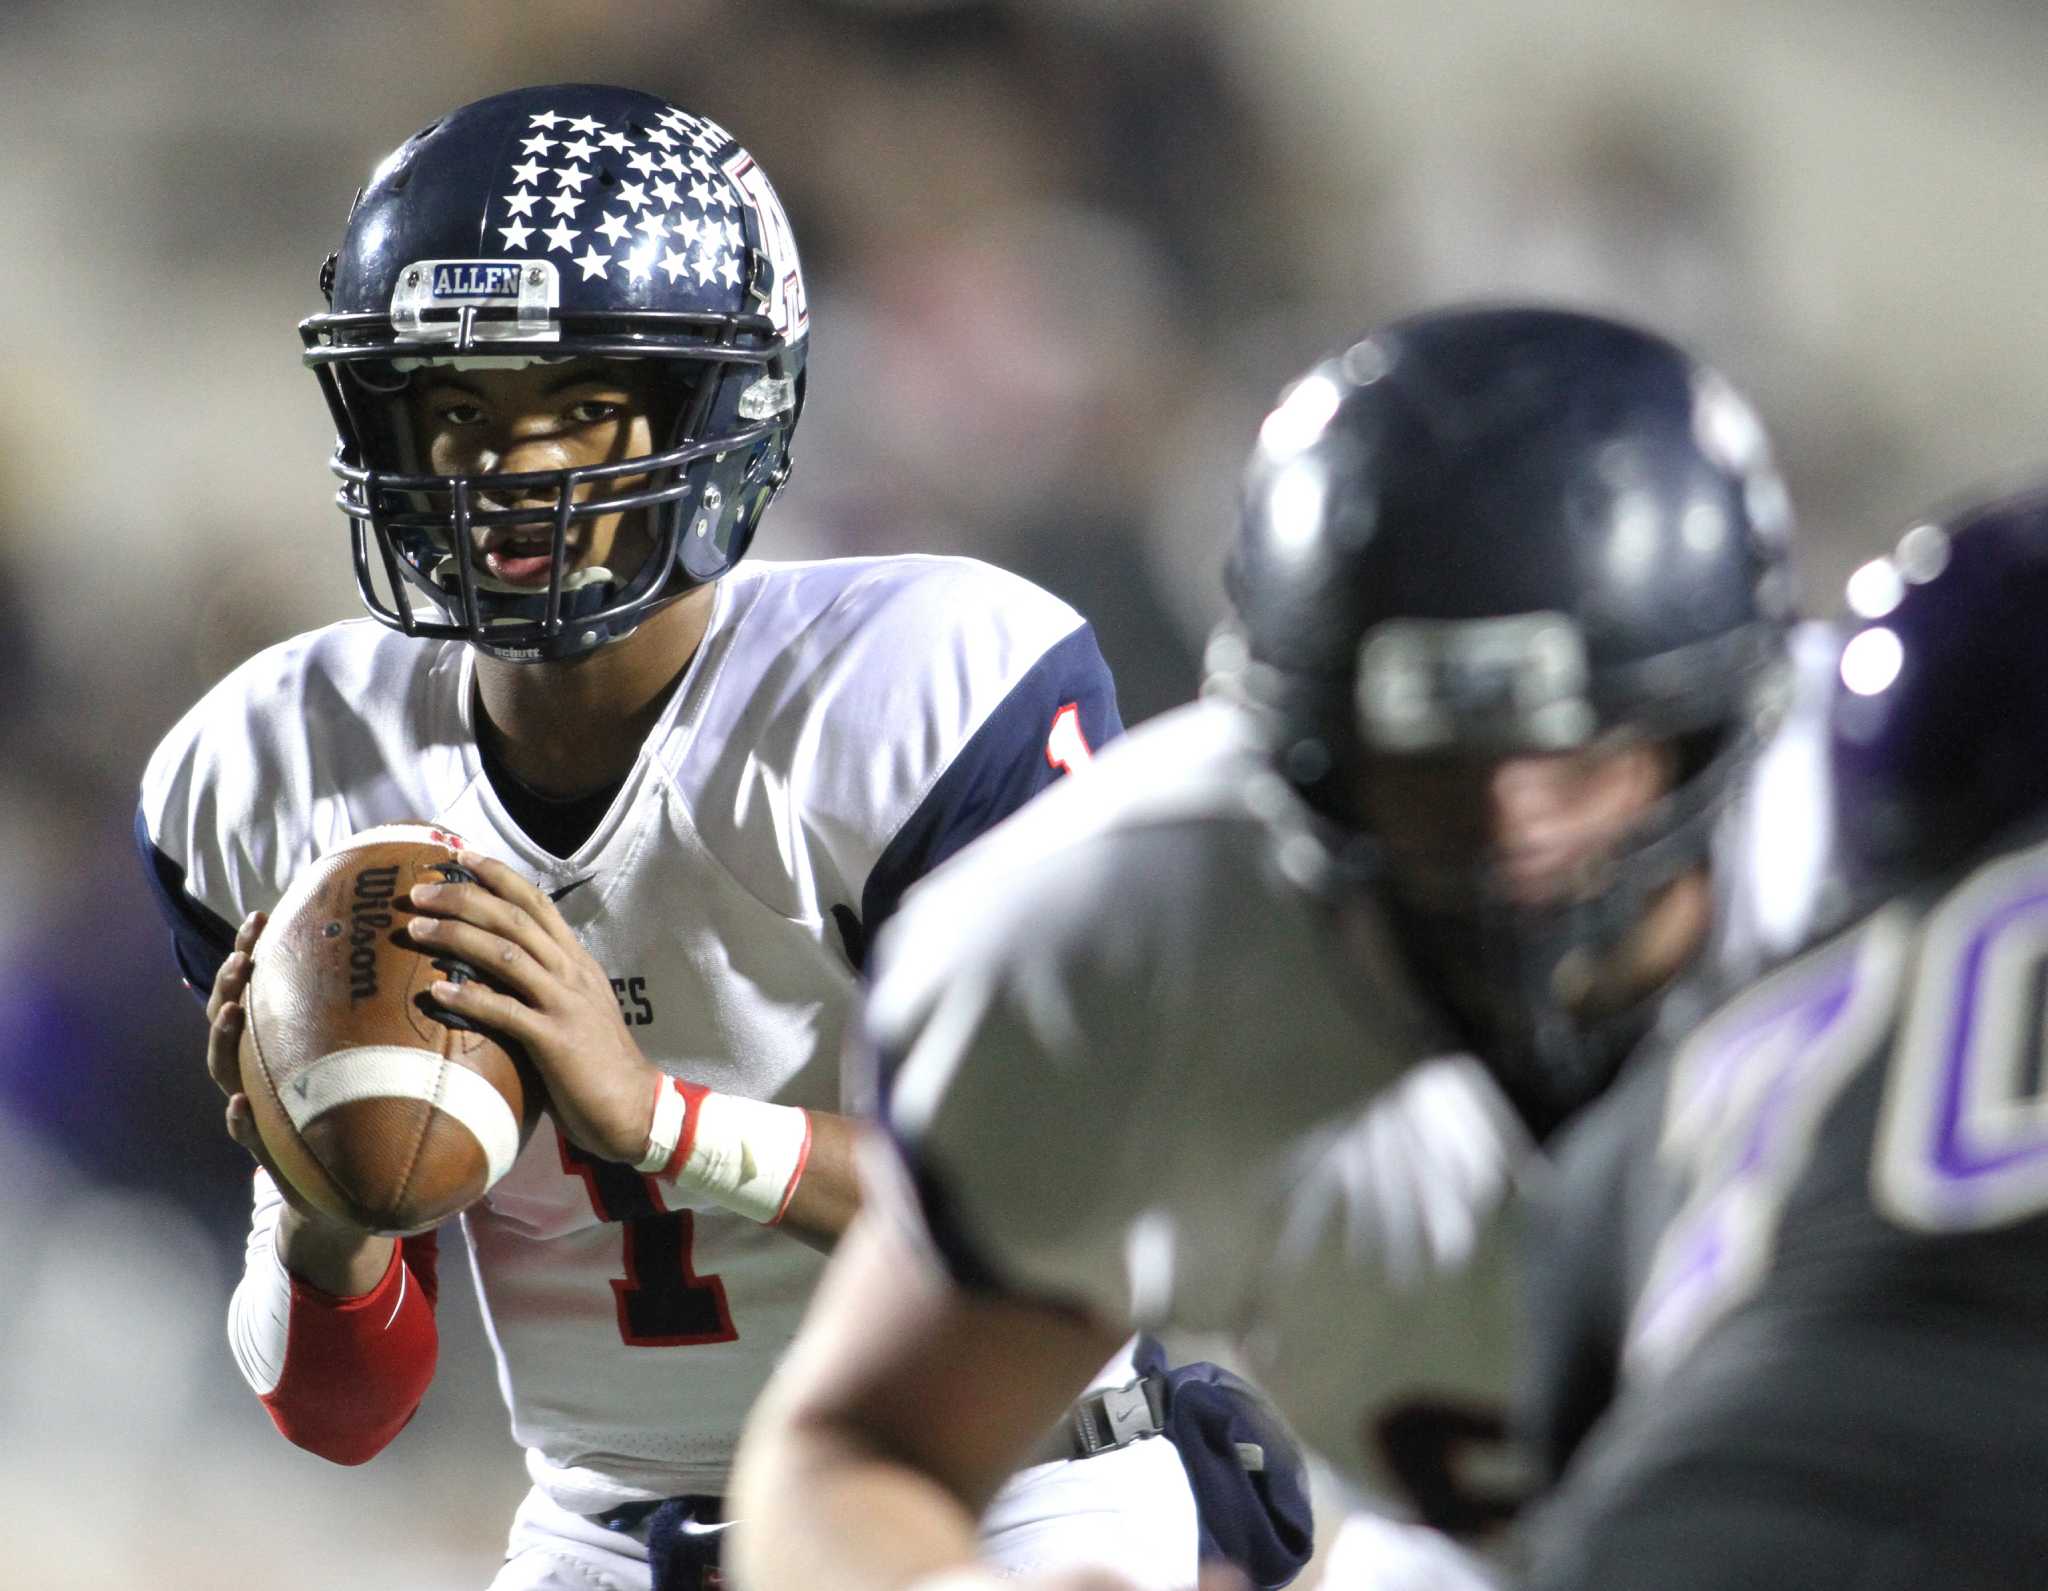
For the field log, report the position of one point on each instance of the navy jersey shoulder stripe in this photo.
(1005, 764)
(202, 940)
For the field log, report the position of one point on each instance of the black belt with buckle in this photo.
(682, 1532)
(1106, 1420)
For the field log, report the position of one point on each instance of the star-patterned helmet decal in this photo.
(675, 211)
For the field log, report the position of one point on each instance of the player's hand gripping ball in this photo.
(380, 1107)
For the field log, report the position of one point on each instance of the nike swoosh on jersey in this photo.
(697, 1527)
(574, 884)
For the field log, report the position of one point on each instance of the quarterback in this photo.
(565, 352)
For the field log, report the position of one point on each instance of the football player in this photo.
(1825, 1209)
(565, 348)
(1255, 1030)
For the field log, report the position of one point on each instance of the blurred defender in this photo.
(1824, 1273)
(566, 350)
(1255, 1029)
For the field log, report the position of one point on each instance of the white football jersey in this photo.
(1134, 1065)
(844, 726)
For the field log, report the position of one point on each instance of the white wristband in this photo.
(745, 1154)
(671, 1113)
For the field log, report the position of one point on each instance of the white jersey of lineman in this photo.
(843, 725)
(1134, 1063)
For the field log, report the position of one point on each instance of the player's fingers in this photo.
(228, 983)
(223, 1048)
(500, 959)
(489, 1009)
(251, 929)
(511, 885)
(1221, 1577)
(481, 908)
(241, 1122)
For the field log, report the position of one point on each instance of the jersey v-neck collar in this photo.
(678, 719)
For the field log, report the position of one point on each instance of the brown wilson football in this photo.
(379, 1106)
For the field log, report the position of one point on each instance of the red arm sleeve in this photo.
(355, 1369)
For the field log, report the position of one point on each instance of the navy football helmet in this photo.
(1940, 714)
(1494, 531)
(556, 223)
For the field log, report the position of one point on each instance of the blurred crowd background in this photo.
(1061, 255)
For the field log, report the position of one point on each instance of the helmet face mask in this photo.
(1492, 539)
(686, 268)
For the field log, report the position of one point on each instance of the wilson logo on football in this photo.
(369, 913)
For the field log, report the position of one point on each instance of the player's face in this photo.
(544, 416)
(1539, 826)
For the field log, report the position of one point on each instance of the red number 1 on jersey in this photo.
(1066, 748)
(663, 1302)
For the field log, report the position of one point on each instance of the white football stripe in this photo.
(392, 1071)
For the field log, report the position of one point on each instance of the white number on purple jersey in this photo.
(1963, 1140)
(1746, 1095)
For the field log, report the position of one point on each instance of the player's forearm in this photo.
(336, 1259)
(339, 1374)
(827, 1195)
(817, 1507)
(780, 1165)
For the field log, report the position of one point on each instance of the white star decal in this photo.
(560, 236)
(584, 125)
(516, 234)
(663, 137)
(527, 173)
(685, 226)
(706, 266)
(538, 144)
(665, 191)
(729, 270)
(594, 263)
(675, 264)
(571, 177)
(699, 164)
(674, 162)
(614, 228)
(640, 263)
(733, 236)
(651, 224)
(633, 193)
(675, 118)
(546, 118)
(613, 140)
(582, 149)
(641, 161)
(565, 203)
(701, 192)
(708, 136)
(521, 203)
